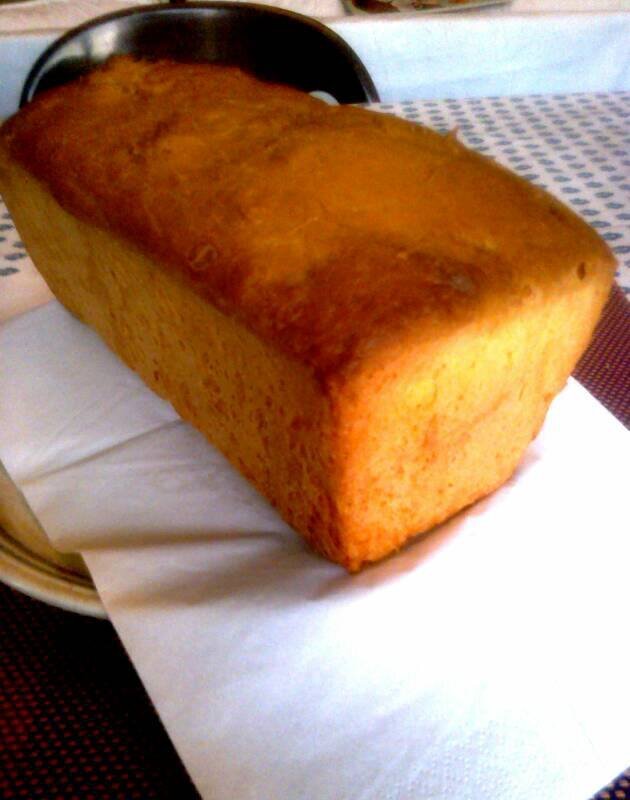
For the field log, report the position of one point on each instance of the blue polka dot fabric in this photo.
(12, 250)
(576, 146)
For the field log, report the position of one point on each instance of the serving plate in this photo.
(30, 564)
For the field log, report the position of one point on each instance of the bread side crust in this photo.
(265, 412)
(428, 431)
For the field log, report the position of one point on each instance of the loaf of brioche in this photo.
(368, 319)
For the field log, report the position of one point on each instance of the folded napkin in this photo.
(488, 659)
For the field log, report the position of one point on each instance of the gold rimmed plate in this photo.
(30, 564)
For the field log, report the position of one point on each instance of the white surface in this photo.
(478, 56)
(486, 660)
(513, 50)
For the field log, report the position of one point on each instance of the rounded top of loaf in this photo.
(326, 230)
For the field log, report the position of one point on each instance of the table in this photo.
(76, 721)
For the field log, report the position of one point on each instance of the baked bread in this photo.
(368, 319)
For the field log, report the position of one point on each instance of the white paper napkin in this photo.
(488, 659)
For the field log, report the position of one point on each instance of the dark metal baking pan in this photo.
(273, 44)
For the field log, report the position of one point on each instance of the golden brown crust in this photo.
(323, 229)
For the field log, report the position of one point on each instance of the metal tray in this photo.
(273, 44)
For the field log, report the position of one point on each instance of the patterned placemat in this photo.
(604, 369)
(21, 285)
(619, 789)
(12, 249)
(75, 721)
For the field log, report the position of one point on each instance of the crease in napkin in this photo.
(488, 658)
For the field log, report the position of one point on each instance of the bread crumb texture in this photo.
(367, 318)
